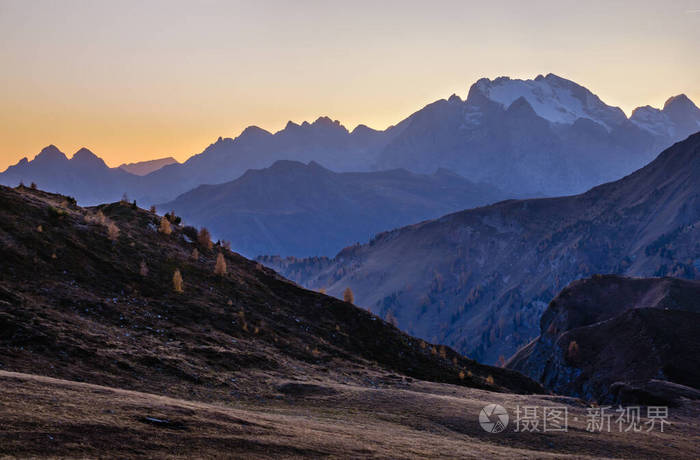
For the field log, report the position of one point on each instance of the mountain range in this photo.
(547, 136)
(297, 209)
(480, 279)
(124, 337)
(84, 176)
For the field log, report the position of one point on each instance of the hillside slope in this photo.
(79, 305)
(295, 209)
(613, 339)
(479, 280)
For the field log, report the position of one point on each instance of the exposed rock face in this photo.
(615, 339)
(479, 280)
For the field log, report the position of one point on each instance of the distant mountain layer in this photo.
(85, 176)
(146, 167)
(479, 280)
(295, 209)
(615, 339)
(547, 136)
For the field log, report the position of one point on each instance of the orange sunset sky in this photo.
(140, 80)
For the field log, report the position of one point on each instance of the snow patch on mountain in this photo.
(652, 120)
(552, 98)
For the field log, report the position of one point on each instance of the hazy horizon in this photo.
(136, 82)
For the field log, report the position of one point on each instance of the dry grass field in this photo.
(54, 418)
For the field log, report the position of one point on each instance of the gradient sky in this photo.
(145, 79)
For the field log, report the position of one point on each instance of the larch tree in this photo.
(177, 281)
(348, 296)
(165, 228)
(220, 267)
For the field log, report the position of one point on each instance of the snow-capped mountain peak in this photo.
(679, 118)
(552, 98)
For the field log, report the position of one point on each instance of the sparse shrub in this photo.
(97, 218)
(190, 232)
(153, 209)
(177, 281)
(229, 302)
(461, 375)
(490, 380)
(573, 351)
(204, 238)
(54, 256)
(100, 217)
(40, 229)
(220, 267)
(33, 186)
(112, 231)
(348, 296)
(165, 228)
(195, 255)
(143, 269)
(56, 213)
